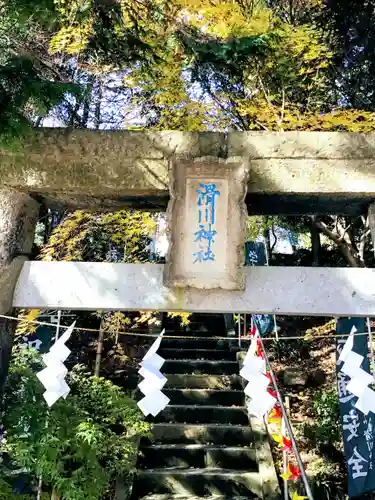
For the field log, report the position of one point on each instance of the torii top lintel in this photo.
(289, 172)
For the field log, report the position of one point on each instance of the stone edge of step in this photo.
(216, 361)
(171, 497)
(199, 389)
(235, 407)
(208, 471)
(193, 350)
(231, 375)
(207, 425)
(198, 446)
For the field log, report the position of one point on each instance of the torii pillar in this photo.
(18, 218)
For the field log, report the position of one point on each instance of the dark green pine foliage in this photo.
(24, 95)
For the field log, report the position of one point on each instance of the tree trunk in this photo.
(55, 495)
(98, 104)
(342, 241)
(315, 243)
(87, 101)
(122, 489)
(267, 242)
(99, 350)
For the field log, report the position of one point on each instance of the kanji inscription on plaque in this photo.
(207, 217)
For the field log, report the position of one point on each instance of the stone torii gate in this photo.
(267, 173)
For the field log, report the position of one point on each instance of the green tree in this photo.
(31, 80)
(53, 54)
(350, 25)
(122, 236)
(82, 443)
(239, 59)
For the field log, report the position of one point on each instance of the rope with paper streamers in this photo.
(257, 370)
(52, 377)
(154, 400)
(187, 337)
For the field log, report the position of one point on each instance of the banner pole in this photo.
(239, 330)
(244, 326)
(275, 328)
(287, 424)
(285, 454)
(58, 326)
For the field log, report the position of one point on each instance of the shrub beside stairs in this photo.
(203, 444)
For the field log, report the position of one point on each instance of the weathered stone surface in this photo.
(18, 217)
(195, 259)
(101, 285)
(8, 278)
(314, 176)
(309, 145)
(117, 163)
(290, 172)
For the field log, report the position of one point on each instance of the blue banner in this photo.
(255, 255)
(43, 337)
(357, 428)
(264, 323)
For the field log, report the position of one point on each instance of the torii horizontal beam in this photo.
(289, 172)
(276, 290)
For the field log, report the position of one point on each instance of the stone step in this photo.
(219, 434)
(189, 497)
(205, 397)
(182, 381)
(203, 343)
(202, 414)
(197, 482)
(201, 397)
(209, 354)
(198, 455)
(194, 366)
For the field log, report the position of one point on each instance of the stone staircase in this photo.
(202, 445)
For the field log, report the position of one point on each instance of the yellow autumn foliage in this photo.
(226, 19)
(71, 39)
(292, 66)
(25, 324)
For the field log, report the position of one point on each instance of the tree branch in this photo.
(362, 245)
(346, 247)
(281, 119)
(315, 242)
(261, 125)
(274, 235)
(326, 231)
(344, 230)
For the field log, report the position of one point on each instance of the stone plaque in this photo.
(206, 224)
